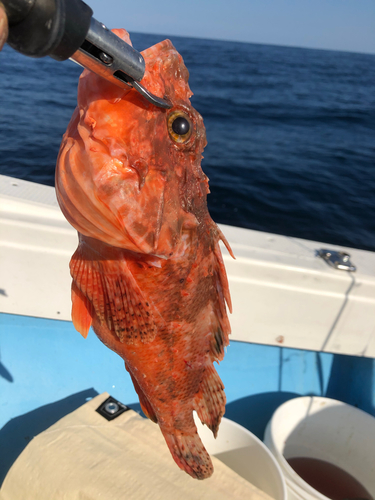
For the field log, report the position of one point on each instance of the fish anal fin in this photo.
(209, 403)
(113, 295)
(81, 311)
(143, 401)
(189, 453)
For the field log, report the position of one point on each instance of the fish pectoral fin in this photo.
(109, 290)
(128, 313)
(81, 311)
(209, 403)
(143, 400)
(189, 453)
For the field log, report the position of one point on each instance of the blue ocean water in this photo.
(291, 132)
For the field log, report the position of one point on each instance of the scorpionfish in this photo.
(148, 274)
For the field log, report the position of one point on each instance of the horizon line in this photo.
(254, 43)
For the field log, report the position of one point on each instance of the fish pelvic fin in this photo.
(108, 290)
(189, 453)
(209, 403)
(143, 400)
(81, 311)
(226, 243)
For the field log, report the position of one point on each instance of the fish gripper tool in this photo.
(66, 29)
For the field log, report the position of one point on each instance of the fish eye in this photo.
(179, 127)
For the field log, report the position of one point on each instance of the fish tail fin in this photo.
(81, 311)
(189, 453)
(210, 401)
(143, 401)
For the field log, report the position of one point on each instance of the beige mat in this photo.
(85, 457)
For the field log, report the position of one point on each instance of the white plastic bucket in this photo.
(244, 453)
(324, 429)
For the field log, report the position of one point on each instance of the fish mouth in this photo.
(157, 49)
(166, 74)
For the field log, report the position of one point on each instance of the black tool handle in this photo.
(55, 28)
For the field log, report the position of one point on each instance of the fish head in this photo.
(128, 172)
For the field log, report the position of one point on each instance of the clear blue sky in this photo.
(324, 24)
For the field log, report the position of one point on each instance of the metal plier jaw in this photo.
(65, 29)
(107, 55)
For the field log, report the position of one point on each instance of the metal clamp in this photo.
(108, 56)
(338, 260)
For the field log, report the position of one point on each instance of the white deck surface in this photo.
(282, 293)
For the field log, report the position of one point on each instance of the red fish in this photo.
(148, 273)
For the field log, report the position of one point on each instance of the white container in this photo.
(324, 429)
(244, 453)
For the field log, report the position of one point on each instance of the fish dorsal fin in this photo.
(107, 289)
(220, 327)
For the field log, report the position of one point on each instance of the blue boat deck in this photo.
(48, 370)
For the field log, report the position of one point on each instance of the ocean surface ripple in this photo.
(291, 132)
